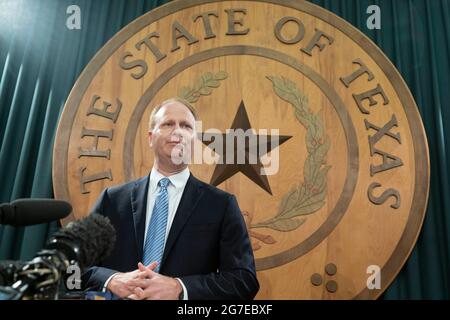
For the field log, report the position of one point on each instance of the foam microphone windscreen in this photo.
(89, 240)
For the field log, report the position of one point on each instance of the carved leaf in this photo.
(281, 90)
(322, 150)
(289, 201)
(198, 84)
(213, 83)
(205, 91)
(221, 75)
(184, 92)
(306, 209)
(286, 225)
(207, 76)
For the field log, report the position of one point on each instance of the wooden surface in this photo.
(348, 230)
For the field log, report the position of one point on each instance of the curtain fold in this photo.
(40, 60)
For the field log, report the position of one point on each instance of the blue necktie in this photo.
(156, 232)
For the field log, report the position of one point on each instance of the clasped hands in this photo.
(145, 284)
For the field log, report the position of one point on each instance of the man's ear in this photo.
(150, 138)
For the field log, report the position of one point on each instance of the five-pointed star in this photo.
(223, 170)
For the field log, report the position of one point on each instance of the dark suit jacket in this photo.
(208, 247)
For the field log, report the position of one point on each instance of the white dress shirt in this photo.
(175, 190)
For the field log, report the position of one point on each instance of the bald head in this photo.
(167, 104)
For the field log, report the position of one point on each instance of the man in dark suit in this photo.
(190, 236)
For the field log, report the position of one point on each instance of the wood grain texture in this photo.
(348, 231)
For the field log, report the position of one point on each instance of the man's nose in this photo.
(177, 130)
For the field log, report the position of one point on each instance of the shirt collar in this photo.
(178, 180)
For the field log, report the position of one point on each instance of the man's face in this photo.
(174, 133)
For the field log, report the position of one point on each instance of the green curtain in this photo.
(40, 59)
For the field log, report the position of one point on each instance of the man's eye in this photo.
(187, 126)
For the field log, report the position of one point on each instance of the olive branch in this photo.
(203, 86)
(308, 196)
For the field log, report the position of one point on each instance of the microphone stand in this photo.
(38, 279)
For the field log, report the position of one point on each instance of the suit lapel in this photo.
(139, 208)
(191, 195)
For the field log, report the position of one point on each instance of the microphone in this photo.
(85, 243)
(26, 212)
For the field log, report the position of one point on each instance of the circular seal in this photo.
(334, 175)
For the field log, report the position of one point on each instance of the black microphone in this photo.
(26, 212)
(84, 243)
